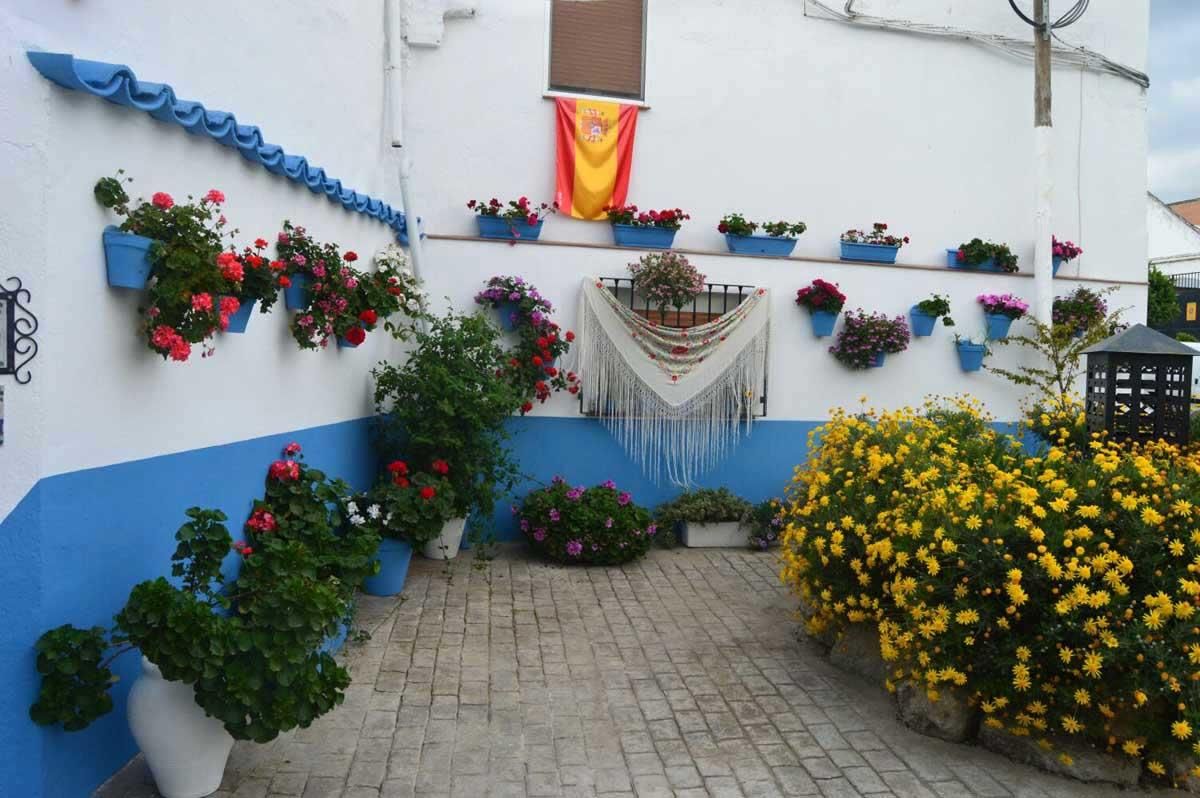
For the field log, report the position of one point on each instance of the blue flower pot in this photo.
(922, 323)
(499, 227)
(295, 296)
(988, 265)
(628, 235)
(127, 257)
(997, 326)
(239, 320)
(509, 316)
(394, 557)
(333, 644)
(1056, 264)
(344, 344)
(823, 322)
(970, 356)
(876, 362)
(775, 246)
(871, 253)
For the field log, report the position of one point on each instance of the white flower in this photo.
(373, 511)
(387, 520)
(357, 520)
(352, 508)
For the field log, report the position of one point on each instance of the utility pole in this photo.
(1043, 133)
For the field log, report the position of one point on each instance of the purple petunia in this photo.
(608, 522)
(524, 525)
(608, 483)
(539, 534)
(624, 499)
(574, 548)
(554, 516)
(575, 494)
(652, 529)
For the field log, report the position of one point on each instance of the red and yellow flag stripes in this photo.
(595, 153)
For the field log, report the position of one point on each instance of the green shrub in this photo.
(703, 506)
(592, 526)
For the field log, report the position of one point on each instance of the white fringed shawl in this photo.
(677, 400)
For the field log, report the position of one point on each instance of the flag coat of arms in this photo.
(595, 153)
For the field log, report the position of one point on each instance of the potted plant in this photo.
(925, 314)
(970, 353)
(444, 402)
(779, 241)
(824, 302)
(1063, 252)
(531, 366)
(223, 658)
(1079, 311)
(666, 278)
(867, 338)
(190, 282)
(599, 525)
(260, 286)
(334, 301)
(706, 517)
(982, 255)
(410, 509)
(393, 289)
(876, 246)
(644, 229)
(298, 255)
(764, 524)
(518, 220)
(1001, 311)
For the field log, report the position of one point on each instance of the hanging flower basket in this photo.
(1000, 312)
(867, 338)
(295, 295)
(924, 315)
(241, 317)
(970, 355)
(127, 258)
(1063, 252)
(824, 301)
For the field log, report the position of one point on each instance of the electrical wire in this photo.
(1075, 55)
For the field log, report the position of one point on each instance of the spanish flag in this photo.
(595, 153)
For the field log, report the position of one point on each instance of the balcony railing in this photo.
(716, 300)
(1186, 280)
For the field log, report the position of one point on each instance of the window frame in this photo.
(549, 93)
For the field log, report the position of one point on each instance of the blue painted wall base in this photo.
(75, 546)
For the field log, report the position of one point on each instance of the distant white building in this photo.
(1172, 241)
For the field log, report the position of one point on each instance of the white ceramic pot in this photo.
(725, 535)
(185, 749)
(445, 545)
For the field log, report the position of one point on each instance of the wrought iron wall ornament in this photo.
(18, 325)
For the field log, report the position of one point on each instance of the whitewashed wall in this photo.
(98, 395)
(777, 114)
(1174, 245)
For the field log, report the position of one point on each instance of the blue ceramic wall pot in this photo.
(127, 258)
(877, 360)
(239, 320)
(922, 323)
(997, 326)
(871, 253)
(823, 322)
(642, 237)
(776, 246)
(970, 356)
(499, 227)
(295, 296)
(394, 557)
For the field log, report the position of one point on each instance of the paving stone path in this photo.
(679, 675)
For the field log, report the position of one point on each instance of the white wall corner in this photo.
(425, 20)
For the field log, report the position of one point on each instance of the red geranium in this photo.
(368, 317)
(356, 335)
(350, 256)
(428, 493)
(441, 467)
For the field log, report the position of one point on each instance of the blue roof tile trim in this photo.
(117, 84)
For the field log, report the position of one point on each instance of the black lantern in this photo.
(1139, 386)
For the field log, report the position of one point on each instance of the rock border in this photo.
(855, 649)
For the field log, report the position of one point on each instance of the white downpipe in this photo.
(1043, 270)
(393, 13)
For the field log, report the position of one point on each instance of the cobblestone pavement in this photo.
(677, 675)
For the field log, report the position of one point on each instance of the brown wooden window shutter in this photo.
(596, 46)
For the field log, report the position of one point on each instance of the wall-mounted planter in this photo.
(295, 296)
(185, 749)
(871, 253)
(127, 258)
(394, 557)
(345, 344)
(499, 227)
(446, 545)
(239, 320)
(997, 326)
(970, 356)
(1056, 264)
(922, 323)
(988, 265)
(628, 235)
(775, 246)
(509, 315)
(823, 322)
(877, 360)
(724, 535)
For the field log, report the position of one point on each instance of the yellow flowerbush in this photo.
(1058, 589)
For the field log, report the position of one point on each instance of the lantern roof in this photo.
(1141, 340)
